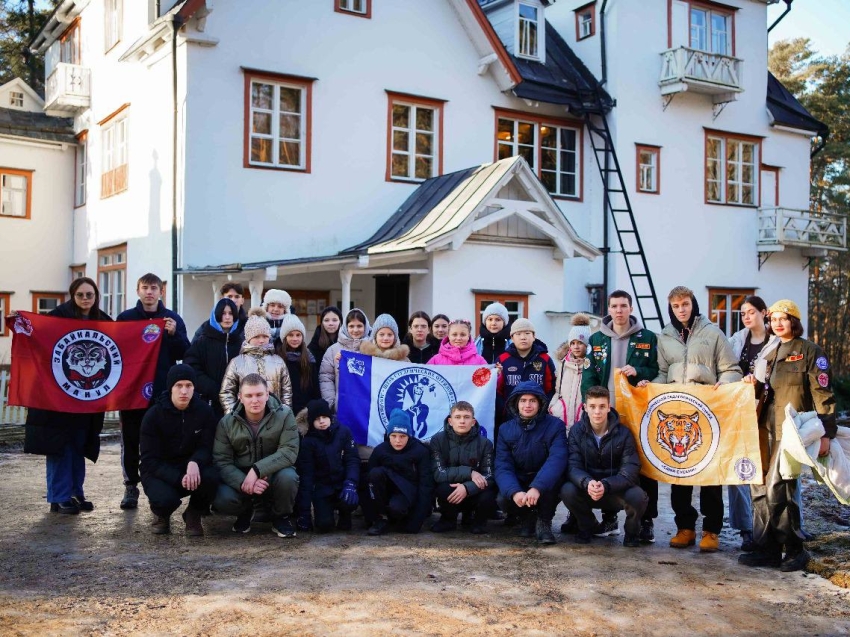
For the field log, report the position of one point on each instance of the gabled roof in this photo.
(19, 84)
(36, 126)
(787, 111)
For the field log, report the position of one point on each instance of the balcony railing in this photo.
(68, 89)
(808, 229)
(685, 69)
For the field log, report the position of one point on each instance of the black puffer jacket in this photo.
(454, 457)
(410, 471)
(422, 356)
(209, 356)
(326, 459)
(614, 461)
(171, 438)
(300, 396)
(47, 432)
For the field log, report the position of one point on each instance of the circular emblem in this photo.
(823, 380)
(151, 333)
(422, 393)
(745, 468)
(86, 364)
(822, 363)
(679, 434)
(147, 391)
(481, 376)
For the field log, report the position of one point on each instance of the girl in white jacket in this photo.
(572, 359)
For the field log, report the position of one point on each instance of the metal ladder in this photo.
(618, 205)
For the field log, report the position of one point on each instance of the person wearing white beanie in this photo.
(302, 366)
(277, 304)
(493, 335)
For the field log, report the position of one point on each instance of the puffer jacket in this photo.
(566, 403)
(329, 369)
(410, 471)
(236, 450)
(255, 359)
(706, 359)
(537, 365)
(395, 353)
(614, 461)
(530, 453)
(490, 345)
(454, 457)
(451, 355)
(209, 356)
(326, 460)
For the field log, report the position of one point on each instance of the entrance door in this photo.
(392, 296)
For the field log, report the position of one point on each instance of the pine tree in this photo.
(20, 21)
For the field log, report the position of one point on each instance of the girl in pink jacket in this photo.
(457, 348)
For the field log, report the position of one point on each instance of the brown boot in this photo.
(192, 518)
(161, 525)
(709, 542)
(683, 539)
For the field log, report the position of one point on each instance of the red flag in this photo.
(80, 366)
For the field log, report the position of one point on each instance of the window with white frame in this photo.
(112, 276)
(15, 193)
(113, 22)
(731, 170)
(711, 30)
(46, 302)
(585, 25)
(80, 173)
(415, 136)
(361, 7)
(278, 117)
(69, 44)
(648, 166)
(551, 150)
(16, 99)
(116, 156)
(529, 28)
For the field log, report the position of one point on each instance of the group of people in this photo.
(243, 423)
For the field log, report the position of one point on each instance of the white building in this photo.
(363, 152)
(37, 155)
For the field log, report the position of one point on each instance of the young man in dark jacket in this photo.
(462, 460)
(176, 445)
(173, 347)
(235, 292)
(531, 461)
(401, 486)
(328, 471)
(604, 469)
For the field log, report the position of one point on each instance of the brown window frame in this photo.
(338, 8)
(656, 150)
(727, 292)
(589, 8)
(757, 161)
(73, 31)
(19, 172)
(80, 269)
(6, 298)
(717, 7)
(497, 297)
(117, 179)
(106, 269)
(82, 142)
(436, 104)
(775, 170)
(37, 296)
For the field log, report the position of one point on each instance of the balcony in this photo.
(685, 69)
(813, 232)
(68, 90)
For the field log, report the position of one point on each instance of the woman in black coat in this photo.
(326, 334)
(220, 340)
(68, 439)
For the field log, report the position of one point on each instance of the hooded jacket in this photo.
(614, 461)
(329, 369)
(454, 457)
(706, 359)
(410, 472)
(236, 450)
(326, 460)
(424, 355)
(490, 346)
(200, 331)
(171, 438)
(566, 403)
(451, 355)
(536, 366)
(255, 359)
(641, 353)
(530, 453)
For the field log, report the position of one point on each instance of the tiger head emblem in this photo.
(679, 435)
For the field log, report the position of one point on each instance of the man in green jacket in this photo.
(255, 450)
(622, 342)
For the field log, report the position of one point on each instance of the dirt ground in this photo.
(103, 573)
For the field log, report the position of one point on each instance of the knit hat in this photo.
(257, 324)
(218, 312)
(580, 330)
(178, 373)
(316, 409)
(522, 325)
(400, 423)
(277, 296)
(788, 307)
(381, 321)
(291, 323)
(498, 309)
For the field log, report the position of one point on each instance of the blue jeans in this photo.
(66, 471)
(740, 507)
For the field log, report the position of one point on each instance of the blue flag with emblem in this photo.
(371, 388)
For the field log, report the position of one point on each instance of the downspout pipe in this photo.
(606, 246)
(784, 13)
(604, 57)
(176, 23)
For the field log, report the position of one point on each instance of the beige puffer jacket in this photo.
(255, 359)
(707, 358)
(566, 404)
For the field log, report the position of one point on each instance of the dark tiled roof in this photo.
(36, 126)
(787, 111)
(418, 204)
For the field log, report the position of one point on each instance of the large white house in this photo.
(400, 154)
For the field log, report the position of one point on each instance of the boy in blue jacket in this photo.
(531, 461)
(328, 469)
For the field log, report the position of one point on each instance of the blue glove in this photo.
(349, 494)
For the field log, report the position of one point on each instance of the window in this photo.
(585, 21)
(69, 44)
(415, 138)
(596, 298)
(45, 302)
(16, 99)
(648, 168)
(5, 308)
(731, 169)
(725, 308)
(277, 121)
(80, 170)
(361, 8)
(551, 148)
(116, 155)
(516, 303)
(528, 30)
(78, 271)
(711, 30)
(15, 193)
(113, 10)
(112, 279)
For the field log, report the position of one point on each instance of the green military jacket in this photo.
(642, 355)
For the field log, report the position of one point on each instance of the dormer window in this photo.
(16, 99)
(529, 28)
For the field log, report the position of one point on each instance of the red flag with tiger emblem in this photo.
(80, 366)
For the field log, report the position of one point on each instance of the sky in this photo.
(825, 22)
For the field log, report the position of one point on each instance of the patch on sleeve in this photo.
(822, 363)
(643, 345)
(823, 380)
(794, 359)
